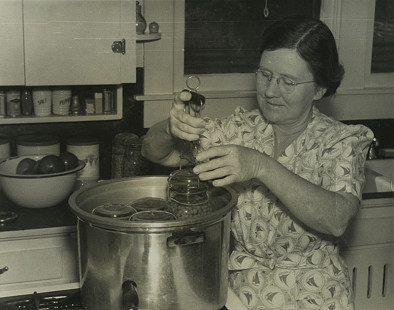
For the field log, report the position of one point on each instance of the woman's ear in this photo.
(319, 93)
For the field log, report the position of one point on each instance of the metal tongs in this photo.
(193, 107)
(197, 102)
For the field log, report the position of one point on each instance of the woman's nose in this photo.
(272, 88)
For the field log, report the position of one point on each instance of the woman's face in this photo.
(281, 108)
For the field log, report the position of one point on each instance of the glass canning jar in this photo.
(187, 194)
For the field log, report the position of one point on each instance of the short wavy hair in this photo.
(314, 42)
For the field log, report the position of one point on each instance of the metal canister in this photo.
(4, 147)
(86, 149)
(2, 104)
(13, 103)
(107, 101)
(36, 144)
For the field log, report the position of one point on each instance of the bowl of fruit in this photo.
(39, 181)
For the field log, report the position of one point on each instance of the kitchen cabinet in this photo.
(368, 249)
(38, 260)
(61, 42)
(11, 36)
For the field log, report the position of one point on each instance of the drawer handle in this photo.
(4, 269)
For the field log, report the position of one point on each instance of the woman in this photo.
(299, 174)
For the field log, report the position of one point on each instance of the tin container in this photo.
(3, 104)
(13, 103)
(4, 148)
(42, 101)
(61, 101)
(40, 144)
(107, 101)
(87, 150)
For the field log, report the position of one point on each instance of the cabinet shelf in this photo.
(148, 37)
(116, 114)
(58, 119)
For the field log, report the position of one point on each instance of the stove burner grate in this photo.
(45, 301)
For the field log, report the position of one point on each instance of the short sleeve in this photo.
(343, 158)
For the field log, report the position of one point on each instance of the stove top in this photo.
(70, 300)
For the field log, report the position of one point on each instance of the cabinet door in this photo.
(70, 42)
(11, 38)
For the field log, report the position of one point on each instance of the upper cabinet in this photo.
(62, 42)
(11, 36)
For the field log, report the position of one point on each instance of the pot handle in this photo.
(130, 295)
(185, 238)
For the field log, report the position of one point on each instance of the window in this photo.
(383, 37)
(224, 36)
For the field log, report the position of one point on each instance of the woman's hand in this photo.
(182, 124)
(228, 164)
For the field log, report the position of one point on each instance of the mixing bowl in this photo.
(36, 190)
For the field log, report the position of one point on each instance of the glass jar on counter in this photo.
(127, 160)
(187, 194)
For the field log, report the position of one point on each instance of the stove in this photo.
(70, 299)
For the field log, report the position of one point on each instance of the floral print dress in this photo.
(277, 262)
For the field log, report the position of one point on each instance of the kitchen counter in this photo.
(56, 216)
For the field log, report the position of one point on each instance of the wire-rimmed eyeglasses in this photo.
(285, 84)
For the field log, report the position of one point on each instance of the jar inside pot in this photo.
(187, 194)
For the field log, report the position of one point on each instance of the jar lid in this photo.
(114, 210)
(37, 140)
(153, 216)
(149, 204)
(82, 140)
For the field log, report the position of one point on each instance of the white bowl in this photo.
(38, 190)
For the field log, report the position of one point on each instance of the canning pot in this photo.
(167, 265)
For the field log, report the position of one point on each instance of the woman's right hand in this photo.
(182, 124)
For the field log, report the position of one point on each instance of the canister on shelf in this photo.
(127, 160)
(86, 149)
(13, 103)
(107, 101)
(3, 111)
(27, 102)
(42, 101)
(36, 144)
(4, 147)
(98, 102)
(61, 101)
(76, 107)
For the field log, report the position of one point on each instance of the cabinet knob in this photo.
(119, 46)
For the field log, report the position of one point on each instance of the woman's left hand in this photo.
(228, 164)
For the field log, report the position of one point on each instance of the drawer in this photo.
(32, 262)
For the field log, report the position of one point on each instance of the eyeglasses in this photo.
(285, 84)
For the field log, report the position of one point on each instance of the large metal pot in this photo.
(171, 265)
